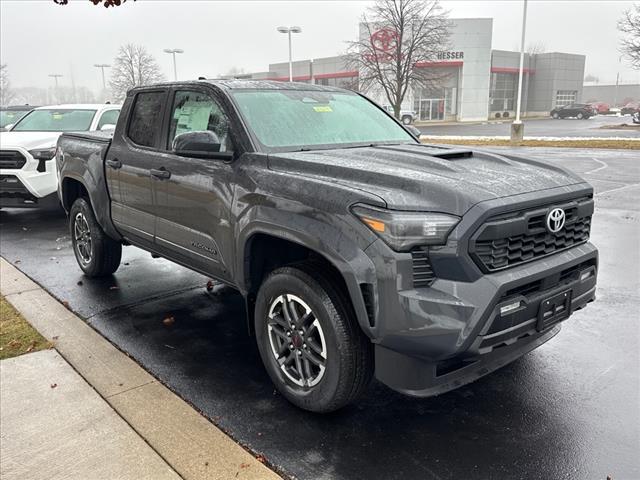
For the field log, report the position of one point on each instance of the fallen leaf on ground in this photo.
(261, 459)
(126, 263)
(17, 261)
(66, 304)
(209, 285)
(244, 465)
(54, 385)
(169, 321)
(31, 346)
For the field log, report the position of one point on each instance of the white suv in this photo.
(27, 151)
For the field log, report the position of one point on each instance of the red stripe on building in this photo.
(439, 64)
(353, 73)
(511, 70)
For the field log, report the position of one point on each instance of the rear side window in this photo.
(146, 118)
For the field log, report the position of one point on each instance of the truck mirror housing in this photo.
(202, 144)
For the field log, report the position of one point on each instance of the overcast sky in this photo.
(39, 37)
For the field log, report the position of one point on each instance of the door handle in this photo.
(115, 163)
(161, 173)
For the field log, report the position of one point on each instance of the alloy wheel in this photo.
(297, 340)
(82, 238)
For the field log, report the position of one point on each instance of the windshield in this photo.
(55, 120)
(294, 119)
(7, 117)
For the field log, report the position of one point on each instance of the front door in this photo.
(129, 164)
(194, 201)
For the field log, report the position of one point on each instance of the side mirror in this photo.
(108, 127)
(203, 144)
(413, 131)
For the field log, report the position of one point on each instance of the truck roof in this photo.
(251, 85)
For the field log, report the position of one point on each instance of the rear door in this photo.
(130, 160)
(194, 201)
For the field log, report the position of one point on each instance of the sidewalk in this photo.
(54, 425)
(122, 423)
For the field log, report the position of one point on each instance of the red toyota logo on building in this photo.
(384, 43)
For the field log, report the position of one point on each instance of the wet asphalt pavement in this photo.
(569, 409)
(542, 127)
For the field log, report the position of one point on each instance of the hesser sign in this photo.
(450, 55)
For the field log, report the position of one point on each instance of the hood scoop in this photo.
(453, 154)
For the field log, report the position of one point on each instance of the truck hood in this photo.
(424, 177)
(28, 140)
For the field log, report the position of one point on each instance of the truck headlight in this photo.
(43, 153)
(404, 230)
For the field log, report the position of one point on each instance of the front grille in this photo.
(11, 159)
(423, 275)
(513, 239)
(10, 184)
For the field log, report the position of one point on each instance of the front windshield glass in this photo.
(7, 117)
(55, 120)
(294, 119)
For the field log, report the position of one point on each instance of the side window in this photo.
(110, 117)
(146, 118)
(196, 112)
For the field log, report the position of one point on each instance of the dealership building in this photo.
(477, 83)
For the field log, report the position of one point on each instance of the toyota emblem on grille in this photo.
(555, 220)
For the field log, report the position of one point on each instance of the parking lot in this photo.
(543, 127)
(566, 410)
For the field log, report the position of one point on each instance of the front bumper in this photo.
(452, 333)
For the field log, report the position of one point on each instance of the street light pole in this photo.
(173, 52)
(289, 31)
(102, 66)
(55, 76)
(517, 129)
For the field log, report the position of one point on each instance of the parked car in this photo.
(27, 166)
(599, 108)
(630, 108)
(407, 117)
(11, 114)
(357, 249)
(577, 110)
(636, 117)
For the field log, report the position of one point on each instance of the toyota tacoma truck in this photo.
(28, 176)
(358, 250)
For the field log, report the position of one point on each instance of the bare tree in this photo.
(7, 95)
(535, 48)
(398, 41)
(591, 78)
(132, 67)
(629, 26)
(106, 3)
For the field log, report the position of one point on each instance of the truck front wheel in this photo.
(97, 254)
(309, 340)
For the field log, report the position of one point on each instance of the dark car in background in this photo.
(577, 110)
(10, 115)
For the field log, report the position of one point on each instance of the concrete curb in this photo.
(188, 442)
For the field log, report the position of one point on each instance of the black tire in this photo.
(348, 361)
(406, 120)
(555, 115)
(97, 254)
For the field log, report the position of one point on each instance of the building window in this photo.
(565, 97)
(502, 96)
(322, 81)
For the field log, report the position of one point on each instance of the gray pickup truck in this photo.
(359, 251)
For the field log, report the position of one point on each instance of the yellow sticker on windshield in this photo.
(323, 108)
(57, 116)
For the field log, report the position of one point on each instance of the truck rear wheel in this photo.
(309, 340)
(97, 254)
